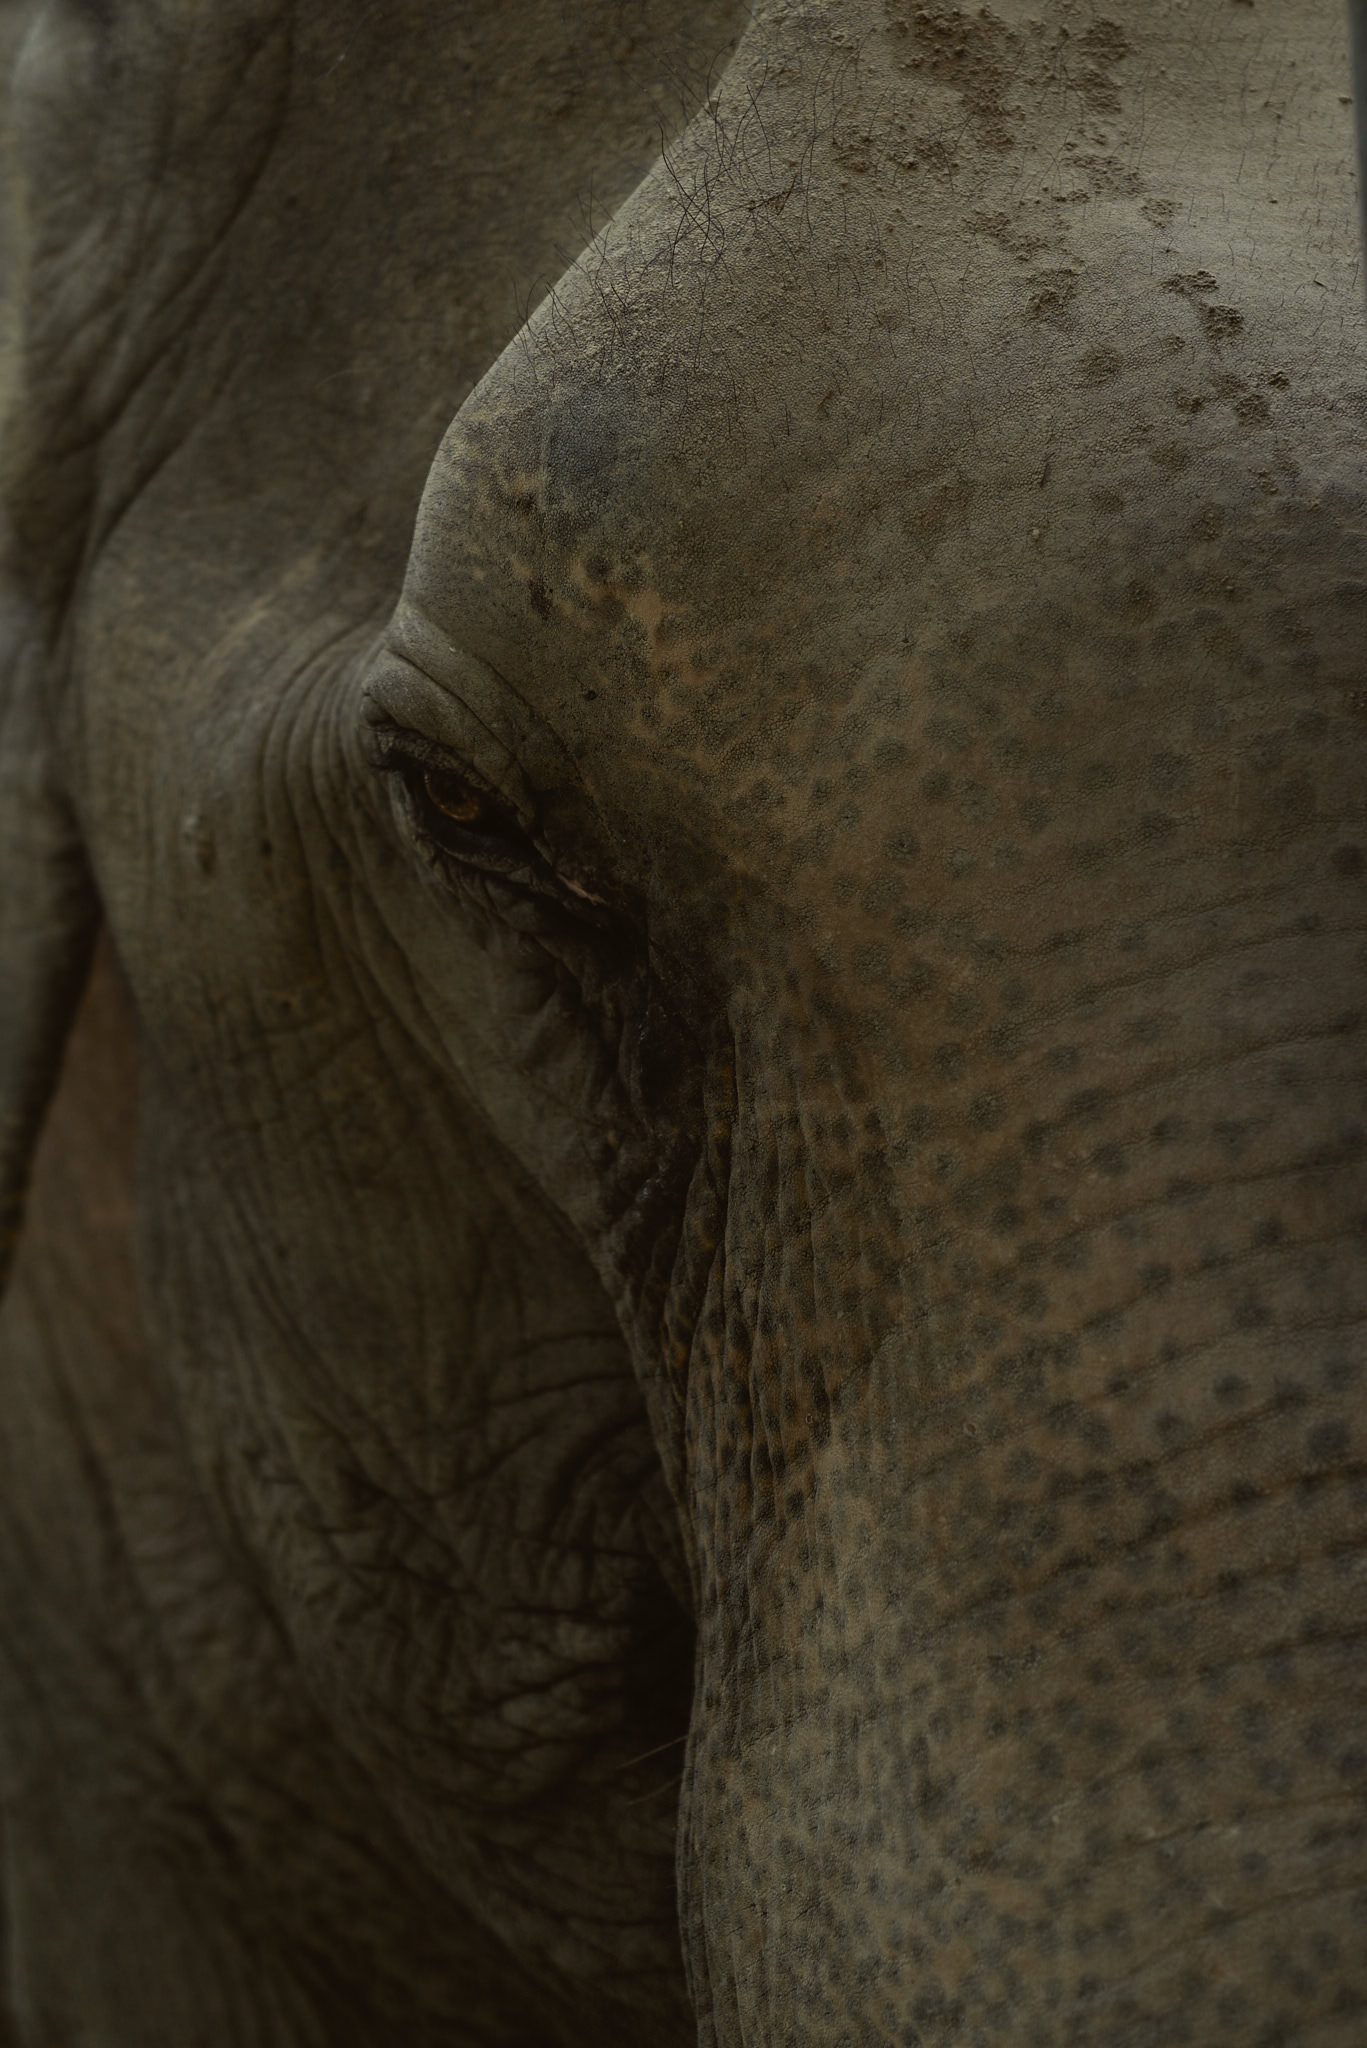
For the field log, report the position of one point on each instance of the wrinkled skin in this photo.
(747, 1040)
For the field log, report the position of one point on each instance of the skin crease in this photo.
(834, 1226)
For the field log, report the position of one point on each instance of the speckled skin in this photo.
(835, 1223)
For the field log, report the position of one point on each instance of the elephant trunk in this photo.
(1030, 1525)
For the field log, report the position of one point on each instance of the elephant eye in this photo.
(456, 817)
(453, 798)
(462, 819)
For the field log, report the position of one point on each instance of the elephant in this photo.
(684, 741)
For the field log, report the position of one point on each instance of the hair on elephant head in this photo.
(687, 1356)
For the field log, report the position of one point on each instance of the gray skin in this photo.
(747, 1040)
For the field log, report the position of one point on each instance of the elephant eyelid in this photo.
(394, 749)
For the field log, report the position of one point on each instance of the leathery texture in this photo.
(721, 1394)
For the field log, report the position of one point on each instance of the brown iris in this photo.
(452, 797)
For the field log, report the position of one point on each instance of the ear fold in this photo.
(49, 913)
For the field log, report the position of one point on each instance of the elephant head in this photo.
(750, 1042)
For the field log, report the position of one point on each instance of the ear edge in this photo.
(49, 920)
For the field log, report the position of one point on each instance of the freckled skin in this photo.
(782, 1312)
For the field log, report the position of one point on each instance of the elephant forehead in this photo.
(773, 499)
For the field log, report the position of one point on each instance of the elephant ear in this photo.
(1357, 20)
(49, 914)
